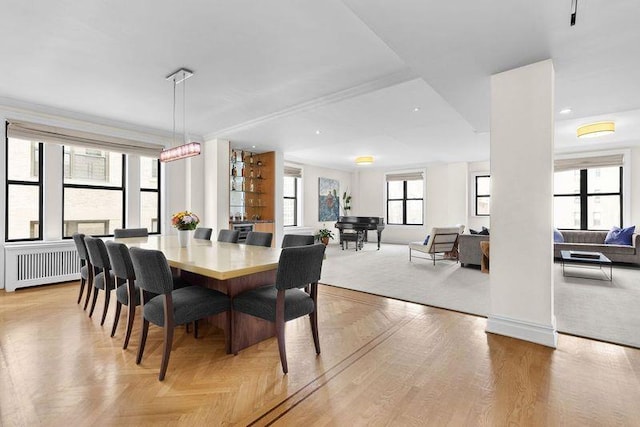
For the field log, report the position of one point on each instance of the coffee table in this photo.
(584, 259)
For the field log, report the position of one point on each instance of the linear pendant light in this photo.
(596, 129)
(188, 149)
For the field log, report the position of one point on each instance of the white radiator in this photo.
(30, 264)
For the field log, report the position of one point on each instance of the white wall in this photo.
(310, 175)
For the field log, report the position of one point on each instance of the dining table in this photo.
(227, 267)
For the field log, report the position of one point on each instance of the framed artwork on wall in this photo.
(328, 202)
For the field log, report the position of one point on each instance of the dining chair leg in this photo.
(107, 295)
(143, 339)
(281, 345)
(168, 341)
(82, 283)
(93, 301)
(90, 288)
(314, 330)
(116, 318)
(131, 315)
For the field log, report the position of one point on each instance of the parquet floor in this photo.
(383, 362)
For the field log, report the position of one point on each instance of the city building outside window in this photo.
(150, 194)
(405, 199)
(483, 195)
(93, 191)
(23, 215)
(588, 199)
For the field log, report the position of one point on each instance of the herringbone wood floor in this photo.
(383, 362)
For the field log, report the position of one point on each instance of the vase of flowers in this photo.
(185, 222)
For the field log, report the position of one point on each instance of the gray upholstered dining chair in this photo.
(298, 267)
(229, 236)
(85, 266)
(104, 280)
(297, 240)
(259, 238)
(203, 233)
(130, 232)
(180, 306)
(128, 295)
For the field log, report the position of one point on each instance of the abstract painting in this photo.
(328, 202)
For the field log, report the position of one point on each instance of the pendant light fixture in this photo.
(187, 149)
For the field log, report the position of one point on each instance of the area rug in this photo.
(603, 310)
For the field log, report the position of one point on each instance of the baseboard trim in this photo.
(527, 331)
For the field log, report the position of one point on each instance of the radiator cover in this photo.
(31, 264)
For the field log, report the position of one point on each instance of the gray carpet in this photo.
(608, 311)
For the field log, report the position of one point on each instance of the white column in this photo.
(521, 274)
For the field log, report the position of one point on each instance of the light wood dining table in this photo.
(228, 267)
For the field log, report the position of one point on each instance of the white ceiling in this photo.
(271, 74)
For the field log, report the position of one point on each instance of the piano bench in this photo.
(357, 237)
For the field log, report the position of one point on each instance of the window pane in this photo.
(23, 212)
(566, 212)
(22, 160)
(414, 211)
(92, 167)
(396, 191)
(148, 173)
(414, 189)
(603, 212)
(395, 212)
(566, 182)
(483, 184)
(289, 188)
(484, 205)
(289, 210)
(92, 211)
(603, 180)
(149, 211)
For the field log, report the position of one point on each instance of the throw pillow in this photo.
(485, 231)
(620, 236)
(557, 236)
(472, 231)
(427, 239)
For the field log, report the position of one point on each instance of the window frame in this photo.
(157, 191)
(122, 188)
(404, 200)
(39, 184)
(295, 202)
(481, 196)
(583, 196)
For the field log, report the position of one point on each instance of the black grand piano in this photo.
(355, 228)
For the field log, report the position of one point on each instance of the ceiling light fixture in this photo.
(596, 129)
(318, 132)
(188, 149)
(364, 160)
(565, 111)
(416, 109)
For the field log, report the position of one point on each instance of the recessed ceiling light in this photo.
(318, 132)
(416, 109)
(565, 111)
(253, 146)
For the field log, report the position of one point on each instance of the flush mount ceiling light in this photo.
(596, 129)
(364, 160)
(188, 149)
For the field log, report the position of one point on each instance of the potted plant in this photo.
(324, 235)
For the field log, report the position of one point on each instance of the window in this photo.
(93, 191)
(405, 201)
(23, 219)
(588, 199)
(150, 194)
(290, 208)
(483, 195)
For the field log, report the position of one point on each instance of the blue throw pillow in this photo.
(557, 236)
(427, 239)
(620, 236)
